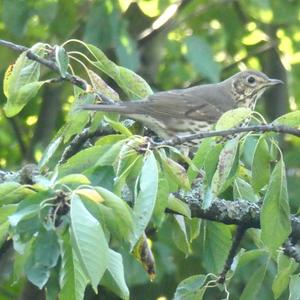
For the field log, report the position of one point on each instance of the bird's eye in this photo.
(251, 79)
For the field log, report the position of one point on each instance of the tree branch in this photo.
(79, 140)
(46, 62)
(243, 213)
(240, 232)
(50, 64)
(224, 133)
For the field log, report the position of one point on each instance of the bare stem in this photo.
(46, 62)
(224, 133)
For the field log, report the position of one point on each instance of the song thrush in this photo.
(185, 111)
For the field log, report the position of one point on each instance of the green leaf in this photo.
(286, 267)
(44, 255)
(118, 126)
(99, 85)
(4, 230)
(89, 241)
(216, 245)
(161, 201)
(46, 248)
(62, 60)
(77, 118)
(22, 83)
(119, 217)
(110, 139)
(16, 101)
(73, 280)
(145, 202)
(132, 84)
(176, 172)
(233, 118)
(211, 161)
(73, 178)
(178, 206)
(12, 192)
(101, 176)
(191, 288)
(242, 190)
(50, 150)
(254, 283)
(291, 119)
(275, 211)
(52, 288)
(114, 278)
(260, 165)
(28, 208)
(102, 155)
(128, 160)
(249, 257)
(6, 211)
(199, 158)
(227, 167)
(179, 235)
(109, 158)
(206, 66)
(294, 287)
(82, 160)
(194, 226)
(36, 273)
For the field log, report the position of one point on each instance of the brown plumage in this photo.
(184, 111)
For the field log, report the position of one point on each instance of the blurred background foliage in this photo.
(172, 44)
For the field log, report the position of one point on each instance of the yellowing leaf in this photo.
(142, 252)
(100, 85)
(21, 83)
(6, 79)
(91, 195)
(74, 178)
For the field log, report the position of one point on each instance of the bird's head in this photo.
(248, 86)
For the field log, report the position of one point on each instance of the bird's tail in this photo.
(118, 108)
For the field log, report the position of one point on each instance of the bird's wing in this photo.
(197, 103)
(200, 103)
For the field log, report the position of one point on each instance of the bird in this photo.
(191, 110)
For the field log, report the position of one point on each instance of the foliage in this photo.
(88, 224)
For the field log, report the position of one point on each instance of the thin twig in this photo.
(79, 140)
(228, 132)
(75, 80)
(240, 231)
(81, 83)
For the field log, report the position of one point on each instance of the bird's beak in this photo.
(274, 81)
